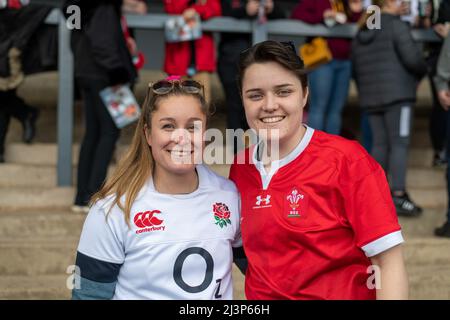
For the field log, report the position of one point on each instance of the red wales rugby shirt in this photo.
(310, 225)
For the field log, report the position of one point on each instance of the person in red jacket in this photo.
(196, 59)
(329, 83)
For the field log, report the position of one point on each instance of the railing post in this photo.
(65, 104)
(259, 31)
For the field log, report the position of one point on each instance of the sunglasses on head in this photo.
(166, 86)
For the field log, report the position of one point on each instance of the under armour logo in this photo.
(260, 199)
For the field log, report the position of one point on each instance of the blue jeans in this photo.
(328, 87)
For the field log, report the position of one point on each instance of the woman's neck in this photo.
(168, 183)
(284, 149)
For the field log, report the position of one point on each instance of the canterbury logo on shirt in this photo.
(147, 222)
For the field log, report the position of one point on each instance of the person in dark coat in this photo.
(102, 59)
(388, 66)
(231, 44)
(27, 46)
(442, 83)
(438, 119)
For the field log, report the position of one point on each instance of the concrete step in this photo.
(32, 198)
(426, 178)
(420, 139)
(424, 225)
(46, 225)
(42, 154)
(37, 257)
(429, 282)
(19, 175)
(421, 157)
(53, 287)
(429, 198)
(427, 252)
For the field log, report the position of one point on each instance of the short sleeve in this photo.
(368, 205)
(102, 237)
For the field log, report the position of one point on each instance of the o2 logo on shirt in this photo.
(147, 222)
(208, 277)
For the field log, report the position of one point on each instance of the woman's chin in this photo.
(181, 168)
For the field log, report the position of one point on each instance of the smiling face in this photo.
(274, 99)
(176, 134)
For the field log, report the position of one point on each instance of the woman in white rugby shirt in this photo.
(160, 219)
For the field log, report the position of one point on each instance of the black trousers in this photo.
(98, 143)
(11, 106)
(392, 131)
(228, 73)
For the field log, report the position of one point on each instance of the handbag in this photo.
(315, 53)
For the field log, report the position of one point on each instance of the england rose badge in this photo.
(221, 214)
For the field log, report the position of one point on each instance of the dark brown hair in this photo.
(273, 51)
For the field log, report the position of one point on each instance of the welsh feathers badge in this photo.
(221, 214)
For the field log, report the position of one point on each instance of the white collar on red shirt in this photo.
(277, 164)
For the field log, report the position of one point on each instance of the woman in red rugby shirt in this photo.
(318, 220)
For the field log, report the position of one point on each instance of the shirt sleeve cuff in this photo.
(382, 244)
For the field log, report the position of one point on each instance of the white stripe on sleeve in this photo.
(384, 243)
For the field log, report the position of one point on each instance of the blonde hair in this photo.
(135, 168)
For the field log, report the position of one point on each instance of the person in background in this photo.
(195, 59)
(388, 66)
(102, 59)
(440, 20)
(230, 46)
(442, 81)
(133, 7)
(25, 48)
(329, 83)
